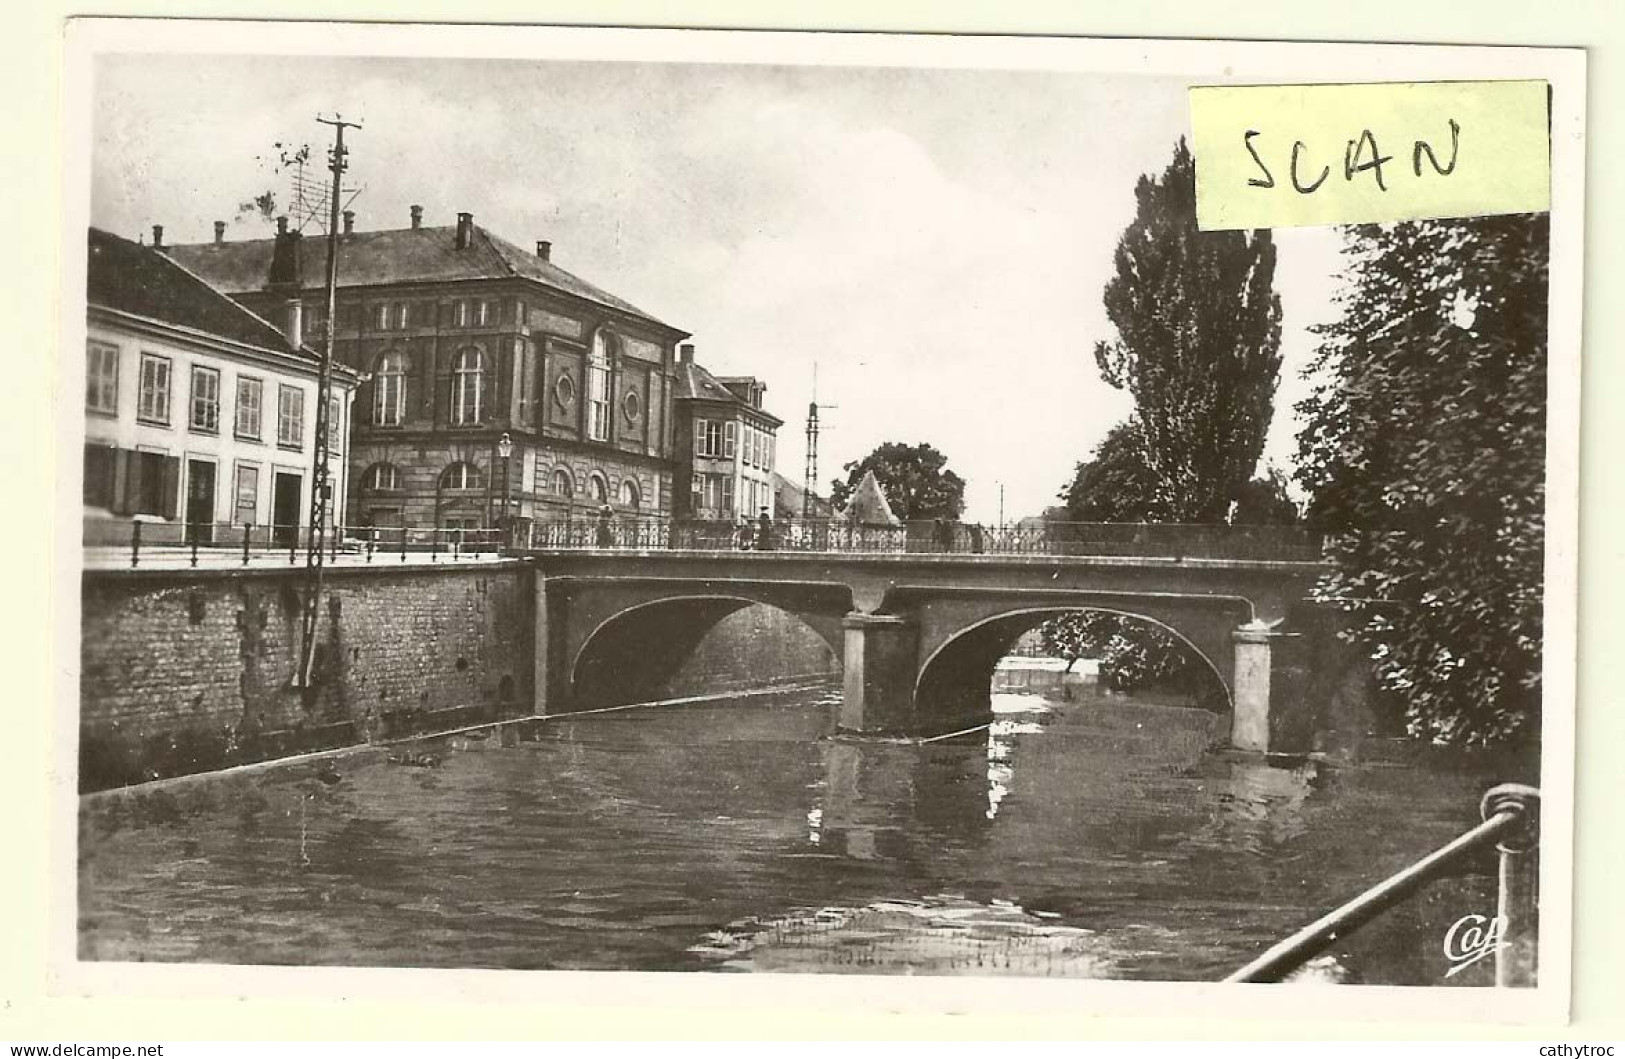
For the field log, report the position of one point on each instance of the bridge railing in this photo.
(611, 530)
(145, 540)
(1511, 823)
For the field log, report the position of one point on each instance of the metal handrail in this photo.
(1511, 820)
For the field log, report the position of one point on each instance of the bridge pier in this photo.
(1265, 679)
(878, 673)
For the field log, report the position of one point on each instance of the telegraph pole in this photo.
(322, 483)
(809, 481)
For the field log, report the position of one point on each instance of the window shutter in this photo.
(170, 502)
(124, 483)
(730, 438)
(699, 437)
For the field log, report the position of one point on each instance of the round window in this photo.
(564, 391)
(632, 406)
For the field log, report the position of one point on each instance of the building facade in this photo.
(461, 339)
(199, 414)
(727, 443)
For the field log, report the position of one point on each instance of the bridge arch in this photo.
(633, 654)
(957, 661)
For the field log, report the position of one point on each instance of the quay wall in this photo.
(189, 671)
(185, 671)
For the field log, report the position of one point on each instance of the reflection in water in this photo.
(1093, 838)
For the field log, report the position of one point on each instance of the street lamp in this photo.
(505, 449)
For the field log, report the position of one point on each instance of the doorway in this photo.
(199, 502)
(285, 491)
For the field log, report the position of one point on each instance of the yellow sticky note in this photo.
(1281, 156)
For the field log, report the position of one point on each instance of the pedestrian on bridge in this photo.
(764, 532)
(606, 529)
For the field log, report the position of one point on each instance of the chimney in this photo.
(349, 222)
(219, 231)
(293, 322)
(417, 216)
(287, 260)
(544, 249)
(158, 237)
(465, 230)
(685, 353)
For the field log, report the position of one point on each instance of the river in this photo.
(1102, 837)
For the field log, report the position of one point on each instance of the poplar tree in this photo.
(1198, 347)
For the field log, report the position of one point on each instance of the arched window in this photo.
(563, 484)
(468, 387)
(381, 477)
(598, 488)
(389, 390)
(629, 493)
(462, 476)
(598, 381)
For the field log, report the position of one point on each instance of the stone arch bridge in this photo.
(917, 634)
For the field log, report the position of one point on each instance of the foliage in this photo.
(1423, 451)
(915, 478)
(1266, 502)
(1114, 484)
(1198, 348)
(1133, 653)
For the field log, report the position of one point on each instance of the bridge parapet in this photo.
(611, 531)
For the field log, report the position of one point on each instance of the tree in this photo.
(1266, 502)
(1198, 347)
(916, 480)
(1114, 484)
(1423, 451)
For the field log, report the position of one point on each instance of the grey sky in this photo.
(936, 241)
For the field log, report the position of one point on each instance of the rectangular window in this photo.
(101, 476)
(403, 316)
(290, 417)
(205, 400)
(101, 378)
(153, 406)
(484, 316)
(250, 400)
(711, 439)
(335, 424)
(772, 443)
(728, 493)
(729, 439)
(598, 402)
(247, 493)
(459, 314)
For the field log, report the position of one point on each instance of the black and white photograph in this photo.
(819, 508)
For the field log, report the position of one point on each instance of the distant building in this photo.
(792, 501)
(726, 443)
(197, 411)
(462, 337)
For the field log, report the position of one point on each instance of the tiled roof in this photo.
(138, 279)
(695, 383)
(400, 255)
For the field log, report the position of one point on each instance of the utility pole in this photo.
(321, 487)
(809, 481)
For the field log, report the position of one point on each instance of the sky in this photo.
(934, 242)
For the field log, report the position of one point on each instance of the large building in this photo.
(199, 414)
(726, 443)
(463, 339)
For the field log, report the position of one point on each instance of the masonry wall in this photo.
(756, 647)
(187, 671)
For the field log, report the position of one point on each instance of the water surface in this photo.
(1097, 838)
